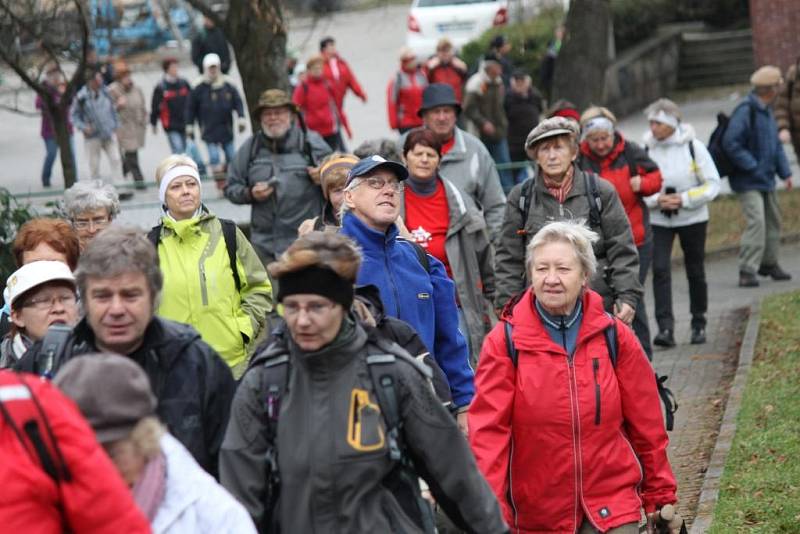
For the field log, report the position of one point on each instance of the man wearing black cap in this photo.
(465, 160)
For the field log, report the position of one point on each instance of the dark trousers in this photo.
(336, 142)
(693, 243)
(130, 164)
(641, 323)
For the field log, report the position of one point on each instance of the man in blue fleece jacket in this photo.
(423, 298)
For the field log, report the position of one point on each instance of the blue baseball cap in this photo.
(370, 163)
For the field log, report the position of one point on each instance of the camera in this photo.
(669, 191)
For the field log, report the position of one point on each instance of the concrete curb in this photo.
(727, 430)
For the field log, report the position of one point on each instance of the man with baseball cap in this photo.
(465, 160)
(276, 170)
(413, 285)
(752, 144)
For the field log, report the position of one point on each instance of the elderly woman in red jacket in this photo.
(606, 152)
(566, 423)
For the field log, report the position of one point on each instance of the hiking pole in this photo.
(667, 521)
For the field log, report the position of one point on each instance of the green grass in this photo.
(760, 487)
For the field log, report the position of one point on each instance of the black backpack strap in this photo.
(274, 385)
(508, 329)
(525, 202)
(422, 254)
(612, 340)
(154, 235)
(593, 198)
(229, 234)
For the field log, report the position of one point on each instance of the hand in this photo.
(785, 136)
(463, 425)
(313, 173)
(789, 184)
(488, 128)
(402, 229)
(122, 102)
(261, 191)
(636, 183)
(88, 130)
(666, 519)
(624, 312)
(364, 98)
(241, 124)
(670, 202)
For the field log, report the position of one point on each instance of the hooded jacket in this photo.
(618, 262)
(95, 110)
(345, 80)
(169, 104)
(194, 387)
(212, 104)
(295, 198)
(404, 98)
(425, 300)
(317, 101)
(697, 180)
(333, 458)
(95, 501)
(193, 501)
(754, 149)
(483, 102)
(616, 167)
(561, 438)
(199, 288)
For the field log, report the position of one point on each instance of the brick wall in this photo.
(776, 31)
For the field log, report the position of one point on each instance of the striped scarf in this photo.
(562, 189)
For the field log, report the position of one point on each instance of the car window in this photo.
(438, 3)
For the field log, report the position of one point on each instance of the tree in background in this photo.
(581, 66)
(35, 34)
(257, 31)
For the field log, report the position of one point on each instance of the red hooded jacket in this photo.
(535, 433)
(94, 501)
(404, 98)
(316, 100)
(616, 168)
(346, 80)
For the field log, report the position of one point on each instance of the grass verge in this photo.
(760, 487)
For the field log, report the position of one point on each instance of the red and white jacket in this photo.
(316, 100)
(537, 437)
(404, 98)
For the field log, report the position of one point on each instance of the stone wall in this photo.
(776, 39)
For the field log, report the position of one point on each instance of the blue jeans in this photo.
(500, 154)
(180, 145)
(213, 152)
(51, 151)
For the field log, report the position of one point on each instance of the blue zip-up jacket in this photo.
(95, 109)
(425, 300)
(754, 149)
(212, 105)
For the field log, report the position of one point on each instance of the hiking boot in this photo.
(698, 336)
(775, 272)
(664, 338)
(747, 279)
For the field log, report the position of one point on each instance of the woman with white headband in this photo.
(213, 279)
(680, 208)
(606, 152)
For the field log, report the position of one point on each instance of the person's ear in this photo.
(16, 318)
(348, 199)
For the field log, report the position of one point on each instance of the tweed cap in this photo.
(274, 98)
(550, 128)
(766, 76)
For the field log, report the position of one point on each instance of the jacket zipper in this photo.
(511, 485)
(595, 369)
(576, 438)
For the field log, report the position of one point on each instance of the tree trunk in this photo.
(581, 64)
(257, 31)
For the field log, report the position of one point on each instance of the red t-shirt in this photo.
(427, 218)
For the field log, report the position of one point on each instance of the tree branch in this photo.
(206, 10)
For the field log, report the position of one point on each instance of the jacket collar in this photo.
(337, 354)
(459, 150)
(365, 236)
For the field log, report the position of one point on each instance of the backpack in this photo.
(612, 345)
(228, 234)
(422, 254)
(715, 147)
(25, 417)
(402, 481)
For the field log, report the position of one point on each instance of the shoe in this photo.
(664, 339)
(125, 195)
(698, 336)
(775, 272)
(747, 279)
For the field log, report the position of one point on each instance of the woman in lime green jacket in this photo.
(215, 284)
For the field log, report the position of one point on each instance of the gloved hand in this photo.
(241, 124)
(190, 132)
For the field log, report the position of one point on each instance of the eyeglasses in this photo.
(377, 183)
(315, 310)
(85, 224)
(47, 303)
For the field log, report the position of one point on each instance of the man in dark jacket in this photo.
(276, 171)
(119, 281)
(758, 156)
(523, 106)
(210, 40)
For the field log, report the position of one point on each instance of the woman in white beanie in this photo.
(213, 279)
(691, 181)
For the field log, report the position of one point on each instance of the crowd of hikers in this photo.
(406, 340)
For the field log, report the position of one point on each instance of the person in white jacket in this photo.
(175, 494)
(690, 182)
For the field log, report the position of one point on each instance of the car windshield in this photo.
(441, 3)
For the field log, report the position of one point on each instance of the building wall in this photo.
(776, 31)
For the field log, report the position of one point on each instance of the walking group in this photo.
(407, 340)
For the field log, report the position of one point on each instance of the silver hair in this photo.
(119, 250)
(345, 208)
(89, 196)
(574, 233)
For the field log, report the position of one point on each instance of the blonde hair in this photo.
(146, 436)
(574, 233)
(322, 249)
(597, 111)
(172, 161)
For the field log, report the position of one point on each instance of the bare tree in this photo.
(257, 31)
(582, 61)
(38, 33)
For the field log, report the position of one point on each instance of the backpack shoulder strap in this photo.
(593, 198)
(229, 235)
(612, 340)
(154, 235)
(422, 255)
(525, 203)
(508, 329)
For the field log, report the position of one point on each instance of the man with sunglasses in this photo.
(414, 286)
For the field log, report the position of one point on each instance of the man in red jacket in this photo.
(82, 492)
(316, 99)
(339, 75)
(404, 93)
(446, 67)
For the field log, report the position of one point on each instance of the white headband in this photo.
(597, 124)
(664, 118)
(176, 172)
